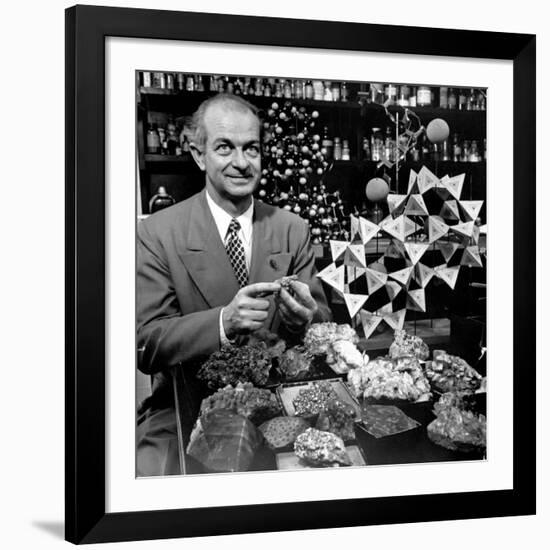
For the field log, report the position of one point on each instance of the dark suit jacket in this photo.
(184, 277)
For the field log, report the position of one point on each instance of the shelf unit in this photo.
(351, 119)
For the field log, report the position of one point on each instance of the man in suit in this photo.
(207, 266)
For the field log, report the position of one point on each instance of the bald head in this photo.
(211, 107)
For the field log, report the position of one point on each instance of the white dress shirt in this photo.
(222, 220)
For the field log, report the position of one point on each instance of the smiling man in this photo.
(207, 269)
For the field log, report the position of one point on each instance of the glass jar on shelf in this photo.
(318, 90)
(287, 90)
(462, 99)
(377, 144)
(327, 91)
(471, 101)
(180, 82)
(153, 140)
(345, 150)
(146, 79)
(404, 93)
(443, 97)
(457, 150)
(161, 200)
(423, 96)
(309, 91)
(474, 155)
(366, 148)
(170, 81)
(465, 151)
(390, 93)
(451, 99)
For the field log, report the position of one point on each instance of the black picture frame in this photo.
(86, 30)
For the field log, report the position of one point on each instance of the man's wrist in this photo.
(224, 339)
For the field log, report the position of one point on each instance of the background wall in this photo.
(31, 225)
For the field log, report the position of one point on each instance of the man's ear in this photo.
(198, 155)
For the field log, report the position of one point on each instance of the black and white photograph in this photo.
(311, 273)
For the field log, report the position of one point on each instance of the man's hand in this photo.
(298, 310)
(248, 309)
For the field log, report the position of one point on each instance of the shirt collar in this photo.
(223, 219)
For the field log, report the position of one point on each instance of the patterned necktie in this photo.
(235, 251)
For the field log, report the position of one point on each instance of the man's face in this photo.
(231, 155)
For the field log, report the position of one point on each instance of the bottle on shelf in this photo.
(180, 82)
(163, 141)
(344, 93)
(345, 150)
(481, 101)
(404, 93)
(287, 90)
(337, 149)
(309, 91)
(327, 144)
(456, 151)
(425, 148)
(423, 96)
(173, 82)
(445, 155)
(335, 91)
(189, 83)
(267, 89)
(171, 137)
(318, 90)
(327, 92)
(146, 79)
(443, 97)
(153, 140)
(366, 148)
(451, 99)
(471, 101)
(161, 200)
(229, 85)
(199, 83)
(389, 145)
(412, 96)
(258, 87)
(462, 99)
(414, 153)
(298, 89)
(434, 153)
(390, 93)
(377, 144)
(278, 89)
(474, 155)
(465, 151)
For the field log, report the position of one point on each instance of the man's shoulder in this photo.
(167, 218)
(278, 215)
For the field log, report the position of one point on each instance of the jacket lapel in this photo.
(205, 257)
(268, 262)
(206, 260)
